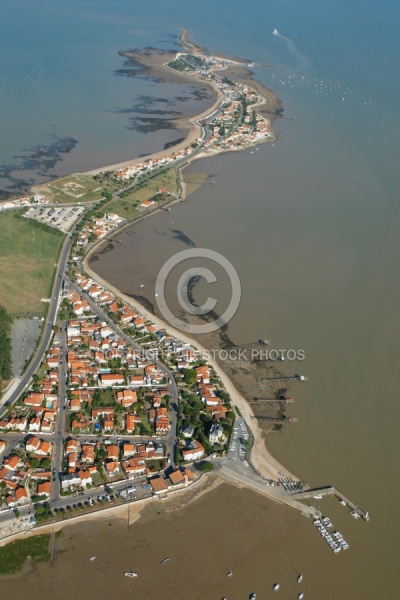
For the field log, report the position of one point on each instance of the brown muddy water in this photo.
(317, 255)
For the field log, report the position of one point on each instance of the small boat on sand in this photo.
(276, 586)
(92, 558)
(130, 574)
(166, 560)
(253, 596)
(230, 573)
(300, 578)
(300, 596)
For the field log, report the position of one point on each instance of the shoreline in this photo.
(192, 124)
(261, 458)
(183, 496)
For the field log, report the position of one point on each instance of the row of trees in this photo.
(5, 345)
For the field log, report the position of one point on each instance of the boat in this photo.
(275, 32)
(166, 560)
(317, 497)
(300, 596)
(230, 573)
(130, 574)
(342, 502)
(92, 558)
(253, 596)
(300, 578)
(355, 514)
(276, 586)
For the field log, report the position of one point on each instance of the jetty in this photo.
(289, 378)
(273, 400)
(275, 493)
(331, 491)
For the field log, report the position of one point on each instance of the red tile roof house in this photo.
(134, 466)
(11, 463)
(21, 495)
(112, 467)
(43, 489)
(159, 485)
(111, 379)
(113, 452)
(131, 420)
(203, 374)
(85, 477)
(126, 398)
(108, 424)
(194, 451)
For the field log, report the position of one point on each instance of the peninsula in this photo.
(117, 407)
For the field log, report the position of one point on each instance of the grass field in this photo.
(72, 189)
(14, 554)
(126, 207)
(28, 254)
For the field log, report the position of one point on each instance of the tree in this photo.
(189, 376)
(34, 463)
(204, 466)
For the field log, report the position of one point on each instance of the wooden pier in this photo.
(273, 400)
(291, 378)
(331, 491)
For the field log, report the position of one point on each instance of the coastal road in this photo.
(47, 326)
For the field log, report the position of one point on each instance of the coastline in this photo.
(262, 459)
(191, 126)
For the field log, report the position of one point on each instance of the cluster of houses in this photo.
(98, 227)
(37, 199)
(108, 380)
(135, 170)
(26, 473)
(92, 462)
(36, 412)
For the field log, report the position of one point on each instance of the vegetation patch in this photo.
(14, 554)
(72, 189)
(5, 346)
(28, 254)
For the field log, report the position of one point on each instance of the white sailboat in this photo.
(131, 574)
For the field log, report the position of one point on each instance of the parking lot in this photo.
(240, 435)
(62, 217)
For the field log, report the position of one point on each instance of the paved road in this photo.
(47, 326)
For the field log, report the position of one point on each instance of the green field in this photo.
(14, 554)
(126, 207)
(72, 189)
(28, 254)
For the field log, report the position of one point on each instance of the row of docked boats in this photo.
(334, 539)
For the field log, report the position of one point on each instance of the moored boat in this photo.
(166, 560)
(276, 586)
(300, 596)
(300, 578)
(130, 574)
(92, 558)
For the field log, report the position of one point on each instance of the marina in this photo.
(334, 539)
